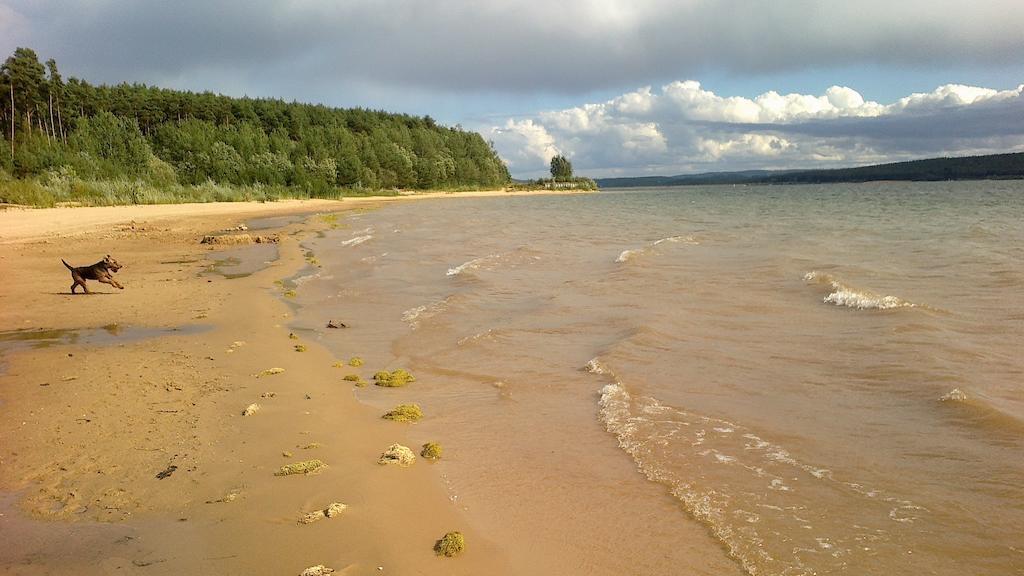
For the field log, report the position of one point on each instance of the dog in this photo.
(100, 271)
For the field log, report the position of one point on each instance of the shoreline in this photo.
(89, 427)
(22, 223)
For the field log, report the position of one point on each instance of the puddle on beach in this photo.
(242, 261)
(102, 336)
(274, 222)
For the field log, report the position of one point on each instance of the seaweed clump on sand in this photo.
(355, 379)
(300, 347)
(395, 379)
(404, 413)
(355, 361)
(451, 544)
(270, 372)
(397, 454)
(431, 451)
(304, 467)
(331, 511)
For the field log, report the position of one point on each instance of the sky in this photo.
(621, 87)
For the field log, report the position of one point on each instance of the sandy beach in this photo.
(123, 444)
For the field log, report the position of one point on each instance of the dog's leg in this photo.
(73, 286)
(110, 280)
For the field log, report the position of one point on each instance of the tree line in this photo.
(987, 167)
(173, 137)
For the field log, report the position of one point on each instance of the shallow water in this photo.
(823, 379)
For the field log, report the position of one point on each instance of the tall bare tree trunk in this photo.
(13, 114)
(63, 135)
(42, 124)
(53, 125)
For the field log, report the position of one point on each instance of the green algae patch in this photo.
(395, 379)
(451, 544)
(270, 372)
(355, 361)
(304, 467)
(404, 413)
(289, 293)
(431, 451)
(355, 379)
(300, 347)
(311, 446)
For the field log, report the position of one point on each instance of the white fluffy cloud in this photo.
(683, 127)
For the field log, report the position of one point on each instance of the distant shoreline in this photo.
(989, 167)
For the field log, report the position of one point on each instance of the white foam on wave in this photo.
(303, 279)
(954, 395)
(485, 335)
(357, 240)
(843, 295)
(415, 316)
(689, 453)
(470, 265)
(627, 255)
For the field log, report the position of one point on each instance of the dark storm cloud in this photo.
(571, 46)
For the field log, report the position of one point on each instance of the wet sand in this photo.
(123, 448)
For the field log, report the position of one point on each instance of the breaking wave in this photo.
(628, 255)
(844, 295)
(748, 490)
(521, 255)
(979, 409)
(357, 240)
(472, 264)
(414, 317)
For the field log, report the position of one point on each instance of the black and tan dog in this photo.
(100, 271)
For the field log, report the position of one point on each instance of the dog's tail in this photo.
(70, 267)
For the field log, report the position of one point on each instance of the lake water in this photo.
(771, 380)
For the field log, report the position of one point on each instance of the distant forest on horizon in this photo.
(55, 129)
(988, 167)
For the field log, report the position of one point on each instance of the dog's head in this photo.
(111, 264)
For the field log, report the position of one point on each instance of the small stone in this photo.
(397, 454)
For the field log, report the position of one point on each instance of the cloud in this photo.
(685, 128)
(572, 46)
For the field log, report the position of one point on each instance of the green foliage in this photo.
(116, 143)
(561, 168)
(187, 144)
